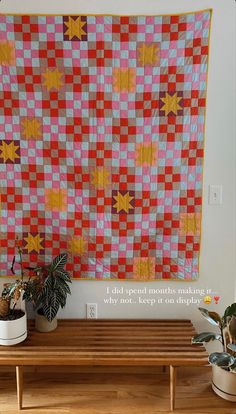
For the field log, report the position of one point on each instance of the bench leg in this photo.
(172, 387)
(19, 385)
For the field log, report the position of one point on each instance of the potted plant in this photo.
(223, 363)
(48, 291)
(13, 321)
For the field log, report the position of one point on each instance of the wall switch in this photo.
(91, 310)
(215, 194)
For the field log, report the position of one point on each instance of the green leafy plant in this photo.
(227, 336)
(46, 286)
(11, 292)
(49, 289)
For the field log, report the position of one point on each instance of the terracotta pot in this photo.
(43, 325)
(13, 332)
(224, 383)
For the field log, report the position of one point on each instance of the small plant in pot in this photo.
(223, 363)
(13, 321)
(48, 291)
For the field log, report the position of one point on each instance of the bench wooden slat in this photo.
(120, 348)
(147, 352)
(165, 346)
(105, 361)
(124, 321)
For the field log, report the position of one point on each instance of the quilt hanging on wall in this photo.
(101, 142)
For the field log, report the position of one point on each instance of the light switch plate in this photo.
(215, 194)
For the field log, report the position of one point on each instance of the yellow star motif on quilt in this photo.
(148, 54)
(124, 80)
(53, 79)
(190, 223)
(171, 103)
(123, 202)
(75, 28)
(146, 154)
(100, 178)
(144, 267)
(55, 199)
(33, 243)
(77, 245)
(7, 53)
(31, 128)
(8, 151)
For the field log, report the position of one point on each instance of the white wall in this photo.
(217, 266)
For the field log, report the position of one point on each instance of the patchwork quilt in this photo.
(101, 142)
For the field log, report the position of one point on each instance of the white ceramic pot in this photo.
(224, 383)
(13, 332)
(43, 325)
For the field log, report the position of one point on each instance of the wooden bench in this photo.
(108, 342)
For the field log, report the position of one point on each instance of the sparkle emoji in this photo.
(207, 300)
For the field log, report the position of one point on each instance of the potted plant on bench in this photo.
(223, 363)
(13, 321)
(48, 291)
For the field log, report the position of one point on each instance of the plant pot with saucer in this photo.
(224, 383)
(223, 363)
(13, 322)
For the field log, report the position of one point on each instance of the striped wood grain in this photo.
(109, 342)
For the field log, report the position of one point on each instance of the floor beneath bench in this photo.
(110, 390)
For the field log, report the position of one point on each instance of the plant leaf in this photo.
(233, 367)
(38, 269)
(63, 274)
(31, 291)
(221, 359)
(42, 298)
(59, 262)
(205, 337)
(50, 311)
(232, 347)
(230, 311)
(64, 288)
(51, 307)
(62, 299)
(232, 327)
(212, 317)
(49, 282)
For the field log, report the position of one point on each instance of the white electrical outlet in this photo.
(91, 311)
